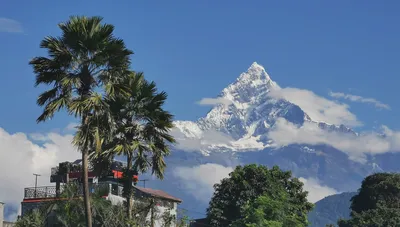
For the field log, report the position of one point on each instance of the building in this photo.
(164, 202)
(4, 223)
(109, 182)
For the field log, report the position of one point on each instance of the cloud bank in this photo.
(356, 98)
(355, 146)
(199, 180)
(214, 101)
(318, 108)
(202, 140)
(21, 156)
(316, 191)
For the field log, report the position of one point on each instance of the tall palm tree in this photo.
(84, 63)
(141, 131)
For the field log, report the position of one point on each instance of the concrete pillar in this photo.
(1, 214)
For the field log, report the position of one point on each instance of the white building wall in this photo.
(160, 210)
(116, 200)
(1, 214)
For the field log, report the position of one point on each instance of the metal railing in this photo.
(50, 191)
(40, 192)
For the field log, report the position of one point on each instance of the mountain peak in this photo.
(250, 84)
(255, 66)
(246, 112)
(251, 111)
(255, 72)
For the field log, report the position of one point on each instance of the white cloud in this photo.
(356, 98)
(202, 141)
(355, 146)
(316, 191)
(199, 180)
(318, 108)
(214, 101)
(71, 127)
(21, 156)
(38, 137)
(10, 26)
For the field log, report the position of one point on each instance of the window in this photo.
(114, 189)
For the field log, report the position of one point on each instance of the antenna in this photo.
(144, 182)
(36, 176)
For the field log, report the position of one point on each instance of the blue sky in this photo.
(193, 49)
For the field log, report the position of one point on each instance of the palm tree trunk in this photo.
(85, 167)
(86, 195)
(152, 213)
(129, 195)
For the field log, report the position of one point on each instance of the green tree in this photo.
(141, 132)
(183, 219)
(178, 220)
(247, 183)
(380, 189)
(266, 211)
(36, 218)
(83, 63)
(377, 203)
(379, 217)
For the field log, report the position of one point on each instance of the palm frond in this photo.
(47, 70)
(141, 162)
(85, 56)
(143, 126)
(53, 105)
(158, 165)
(47, 96)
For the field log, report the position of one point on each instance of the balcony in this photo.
(45, 192)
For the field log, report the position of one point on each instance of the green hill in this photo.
(330, 209)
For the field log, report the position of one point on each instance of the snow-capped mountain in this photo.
(237, 129)
(245, 115)
(236, 132)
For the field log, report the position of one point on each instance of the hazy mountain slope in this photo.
(331, 209)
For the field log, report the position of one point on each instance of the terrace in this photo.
(45, 192)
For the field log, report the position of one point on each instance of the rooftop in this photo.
(49, 192)
(158, 193)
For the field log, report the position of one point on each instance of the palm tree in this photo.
(83, 64)
(141, 130)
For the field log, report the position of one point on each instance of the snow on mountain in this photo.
(236, 130)
(244, 116)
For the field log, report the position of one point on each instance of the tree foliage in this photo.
(377, 190)
(142, 125)
(69, 212)
(83, 63)
(235, 195)
(182, 219)
(266, 211)
(377, 204)
(32, 219)
(140, 130)
(379, 217)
